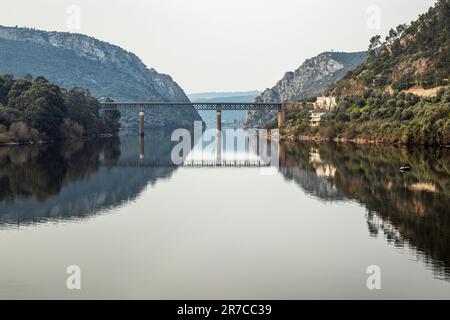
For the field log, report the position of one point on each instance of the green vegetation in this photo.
(104, 69)
(411, 55)
(68, 69)
(35, 110)
(402, 118)
(373, 104)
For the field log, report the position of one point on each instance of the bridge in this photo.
(218, 107)
(194, 163)
(140, 106)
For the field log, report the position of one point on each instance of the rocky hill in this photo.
(309, 80)
(414, 58)
(75, 60)
(401, 95)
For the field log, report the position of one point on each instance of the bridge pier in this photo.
(141, 124)
(281, 116)
(141, 147)
(219, 135)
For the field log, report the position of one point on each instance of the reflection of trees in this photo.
(41, 171)
(407, 208)
(76, 179)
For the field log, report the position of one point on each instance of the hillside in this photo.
(74, 60)
(309, 80)
(412, 56)
(375, 101)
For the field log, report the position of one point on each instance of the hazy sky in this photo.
(221, 45)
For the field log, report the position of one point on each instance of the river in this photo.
(306, 228)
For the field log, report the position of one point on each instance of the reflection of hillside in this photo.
(407, 208)
(303, 165)
(75, 180)
(42, 171)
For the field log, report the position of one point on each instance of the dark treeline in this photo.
(36, 110)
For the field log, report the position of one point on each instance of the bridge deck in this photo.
(193, 163)
(111, 106)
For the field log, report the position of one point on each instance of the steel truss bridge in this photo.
(193, 163)
(140, 106)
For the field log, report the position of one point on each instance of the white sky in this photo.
(220, 45)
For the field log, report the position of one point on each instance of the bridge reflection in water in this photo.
(253, 150)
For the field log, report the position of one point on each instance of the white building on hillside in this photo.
(321, 107)
(326, 103)
(315, 116)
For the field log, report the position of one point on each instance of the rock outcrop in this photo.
(309, 80)
(75, 60)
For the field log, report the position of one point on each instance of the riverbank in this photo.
(296, 137)
(44, 142)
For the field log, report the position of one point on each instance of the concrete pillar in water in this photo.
(219, 135)
(141, 123)
(141, 147)
(281, 116)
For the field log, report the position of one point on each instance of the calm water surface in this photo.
(307, 229)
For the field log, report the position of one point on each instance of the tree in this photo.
(112, 119)
(401, 29)
(29, 109)
(18, 88)
(391, 37)
(6, 82)
(82, 107)
(375, 43)
(42, 106)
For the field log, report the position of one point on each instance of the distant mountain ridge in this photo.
(75, 60)
(311, 79)
(229, 118)
(238, 96)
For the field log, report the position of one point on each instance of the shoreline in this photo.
(45, 142)
(359, 141)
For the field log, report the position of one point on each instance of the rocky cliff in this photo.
(75, 60)
(309, 80)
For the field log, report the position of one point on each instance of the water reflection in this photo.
(406, 208)
(75, 180)
(40, 172)
(303, 165)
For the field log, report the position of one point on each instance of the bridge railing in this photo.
(196, 105)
